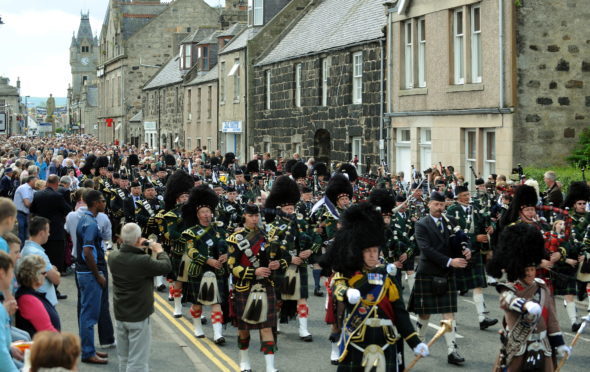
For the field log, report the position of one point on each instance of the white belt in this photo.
(376, 322)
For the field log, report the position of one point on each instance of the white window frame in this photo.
(209, 102)
(357, 150)
(187, 56)
(189, 97)
(267, 74)
(209, 143)
(298, 68)
(408, 54)
(470, 161)
(199, 103)
(235, 72)
(458, 47)
(325, 76)
(421, 52)
(425, 143)
(357, 78)
(476, 51)
(188, 143)
(258, 12)
(489, 162)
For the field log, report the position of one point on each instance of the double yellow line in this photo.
(185, 327)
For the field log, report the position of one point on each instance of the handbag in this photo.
(439, 285)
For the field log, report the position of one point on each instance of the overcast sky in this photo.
(35, 40)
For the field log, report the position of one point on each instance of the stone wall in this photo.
(168, 115)
(553, 67)
(285, 126)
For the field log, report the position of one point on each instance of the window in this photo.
(325, 76)
(357, 148)
(85, 49)
(187, 56)
(298, 85)
(199, 104)
(267, 90)
(408, 55)
(188, 101)
(470, 154)
(222, 82)
(489, 149)
(188, 143)
(458, 51)
(235, 72)
(357, 77)
(425, 148)
(476, 55)
(209, 143)
(403, 154)
(84, 79)
(421, 52)
(404, 136)
(198, 142)
(205, 58)
(258, 12)
(209, 101)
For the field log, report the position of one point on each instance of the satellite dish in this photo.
(176, 140)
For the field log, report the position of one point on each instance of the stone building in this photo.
(485, 84)
(9, 106)
(137, 38)
(318, 90)
(553, 79)
(82, 94)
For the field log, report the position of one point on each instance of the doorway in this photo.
(322, 146)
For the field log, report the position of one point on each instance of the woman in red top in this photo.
(35, 313)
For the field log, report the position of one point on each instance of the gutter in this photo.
(474, 111)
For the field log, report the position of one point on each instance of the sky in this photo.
(35, 40)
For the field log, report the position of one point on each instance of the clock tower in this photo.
(83, 57)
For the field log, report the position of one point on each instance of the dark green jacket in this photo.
(133, 274)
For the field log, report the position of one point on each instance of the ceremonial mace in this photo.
(445, 326)
(585, 321)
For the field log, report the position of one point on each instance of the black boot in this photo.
(455, 358)
(486, 323)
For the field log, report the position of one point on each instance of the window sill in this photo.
(222, 103)
(465, 88)
(236, 100)
(413, 92)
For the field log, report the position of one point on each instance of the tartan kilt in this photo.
(239, 302)
(354, 357)
(175, 261)
(473, 276)
(279, 276)
(423, 301)
(566, 283)
(191, 289)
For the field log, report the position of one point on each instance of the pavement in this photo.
(175, 349)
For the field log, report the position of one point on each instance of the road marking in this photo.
(433, 326)
(210, 343)
(191, 338)
(198, 363)
(573, 335)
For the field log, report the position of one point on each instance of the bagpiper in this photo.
(252, 261)
(373, 304)
(473, 223)
(531, 330)
(203, 261)
(288, 233)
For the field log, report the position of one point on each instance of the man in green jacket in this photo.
(133, 269)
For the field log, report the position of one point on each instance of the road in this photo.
(175, 349)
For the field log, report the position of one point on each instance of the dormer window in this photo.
(256, 12)
(205, 58)
(187, 56)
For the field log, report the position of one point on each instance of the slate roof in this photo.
(198, 35)
(84, 30)
(137, 117)
(211, 75)
(241, 40)
(211, 39)
(330, 24)
(233, 30)
(137, 15)
(169, 74)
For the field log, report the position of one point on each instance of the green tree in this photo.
(580, 156)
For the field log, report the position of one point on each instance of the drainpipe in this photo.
(501, 49)
(381, 102)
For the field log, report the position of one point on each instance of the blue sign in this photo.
(231, 127)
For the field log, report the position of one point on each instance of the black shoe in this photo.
(161, 288)
(486, 323)
(334, 362)
(463, 293)
(317, 292)
(576, 326)
(455, 358)
(220, 341)
(308, 338)
(61, 296)
(203, 321)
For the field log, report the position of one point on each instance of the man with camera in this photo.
(133, 268)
